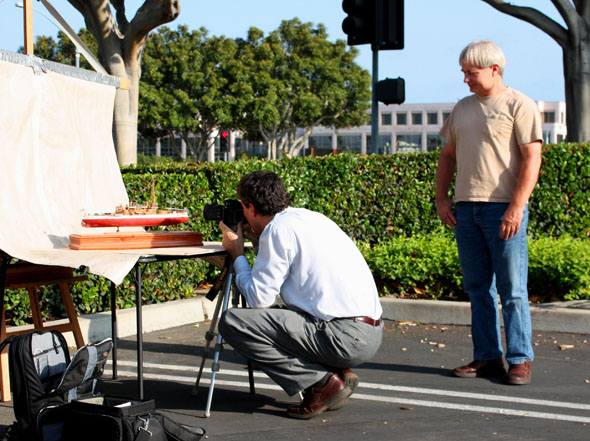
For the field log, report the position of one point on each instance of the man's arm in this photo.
(527, 179)
(447, 163)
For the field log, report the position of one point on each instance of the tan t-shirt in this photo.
(487, 132)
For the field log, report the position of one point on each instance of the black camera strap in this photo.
(219, 282)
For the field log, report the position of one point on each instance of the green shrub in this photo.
(384, 201)
(417, 267)
(428, 267)
(559, 269)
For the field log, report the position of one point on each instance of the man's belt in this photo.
(367, 320)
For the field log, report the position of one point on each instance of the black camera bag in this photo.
(121, 419)
(42, 376)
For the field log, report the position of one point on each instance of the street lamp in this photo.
(60, 27)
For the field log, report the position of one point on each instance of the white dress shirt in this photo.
(313, 265)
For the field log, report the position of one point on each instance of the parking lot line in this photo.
(408, 401)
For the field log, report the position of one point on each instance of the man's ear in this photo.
(251, 209)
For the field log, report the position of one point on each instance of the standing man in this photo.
(493, 141)
(331, 317)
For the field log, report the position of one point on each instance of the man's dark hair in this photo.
(265, 190)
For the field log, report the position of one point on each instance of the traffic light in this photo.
(390, 35)
(359, 25)
(391, 91)
(378, 22)
(224, 141)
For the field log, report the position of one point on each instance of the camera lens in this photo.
(213, 212)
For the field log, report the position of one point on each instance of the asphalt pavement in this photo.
(406, 392)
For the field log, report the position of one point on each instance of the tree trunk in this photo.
(120, 46)
(576, 68)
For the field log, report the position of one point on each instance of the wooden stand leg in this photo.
(31, 277)
(66, 296)
(4, 373)
(35, 307)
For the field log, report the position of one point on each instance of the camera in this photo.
(231, 213)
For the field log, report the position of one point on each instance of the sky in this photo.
(435, 33)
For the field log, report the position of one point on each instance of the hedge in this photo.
(428, 267)
(376, 199)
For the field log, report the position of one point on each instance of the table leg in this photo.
(114, 329)
(138, 283)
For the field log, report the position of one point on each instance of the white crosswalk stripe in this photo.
(395, 394)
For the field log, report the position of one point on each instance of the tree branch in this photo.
(150, 15)
(536, 18)
(97, 16)
(119, 6)
(569, 15)
(583, 8)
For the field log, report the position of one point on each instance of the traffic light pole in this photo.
(375, 103)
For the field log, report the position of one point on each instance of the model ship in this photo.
(136, 215)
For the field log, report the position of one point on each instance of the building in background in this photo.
(410, 128)
(403, 128)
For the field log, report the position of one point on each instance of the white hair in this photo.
(483, 53)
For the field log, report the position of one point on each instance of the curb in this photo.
(568, 317)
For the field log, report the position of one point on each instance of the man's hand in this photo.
(511, 222)
(250, 234)
(233, 241)
(444, 209)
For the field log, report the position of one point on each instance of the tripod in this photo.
(227, 280)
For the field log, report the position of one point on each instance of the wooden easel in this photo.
(28, 22)
(31, 277)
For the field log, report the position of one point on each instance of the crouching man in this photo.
(331, 317)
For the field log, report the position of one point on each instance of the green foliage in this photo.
(187, 86)
(63, 50)
(417, 267)
(299, 79)
(17, 306)
(558, 269)
(264, 86)
(561, 201)
(384, 202)
(153, 160)
(428, 267)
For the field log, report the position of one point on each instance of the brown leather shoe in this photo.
(350, 378)
(318, 399)
(481, 368)
(519, 373)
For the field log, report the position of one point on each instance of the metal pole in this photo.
(138, 283)
(114, 329)
(375, 104)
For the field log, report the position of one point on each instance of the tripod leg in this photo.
(215, 367)
(237, 298)
(251, 377)
(209, 336)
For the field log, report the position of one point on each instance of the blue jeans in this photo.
(493, 266)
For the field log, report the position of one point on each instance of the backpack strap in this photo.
(86, 366)
(6, 342)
